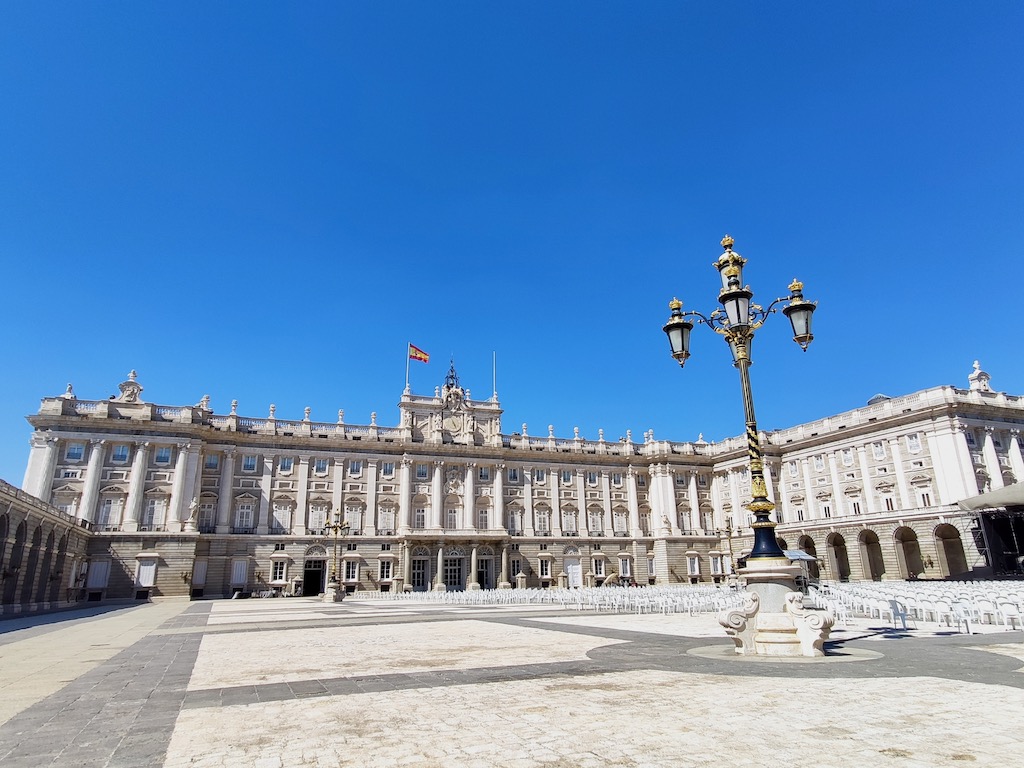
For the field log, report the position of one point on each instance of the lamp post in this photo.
(342, 528)
(736, 321)
(770, 576)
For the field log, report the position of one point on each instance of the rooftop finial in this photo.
(727, 242)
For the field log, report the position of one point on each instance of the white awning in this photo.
(1009, 496)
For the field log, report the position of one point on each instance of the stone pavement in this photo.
(297, 682)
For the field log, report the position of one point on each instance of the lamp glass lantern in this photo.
(678, 331)
(799, 313)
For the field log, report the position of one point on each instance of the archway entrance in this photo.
(908, 553)
(419, 569)
(950, 550)
(806, 545)
(314, 571)
(838, 557)
(871, 556)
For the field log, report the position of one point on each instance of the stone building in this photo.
(179, 500)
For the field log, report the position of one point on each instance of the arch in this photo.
(838, 557)
(571, 550)
(421, 551)
(15, 563)
(949, 548)
(782, 543)
(45, 575)
(315, 552)
(871, 555)
(908, 552)
(59, 566)
(31, 568)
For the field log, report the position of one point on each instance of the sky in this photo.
(268, 201)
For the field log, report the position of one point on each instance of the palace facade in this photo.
(179, 500)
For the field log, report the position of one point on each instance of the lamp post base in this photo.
(334, 593)
(773, 621)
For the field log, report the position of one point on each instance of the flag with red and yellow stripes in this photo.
(415, 353)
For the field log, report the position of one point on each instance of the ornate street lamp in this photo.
(342, 528)
(736, 320)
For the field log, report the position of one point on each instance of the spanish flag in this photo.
(415, 353)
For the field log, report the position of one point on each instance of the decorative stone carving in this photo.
(130, 390)
(739, 625)
(812, 627)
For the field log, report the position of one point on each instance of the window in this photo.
(285, 464)
(599, 567)
(355, 468)
(248, 463)
(320, 467)
(513, 475)
(914, 442)
(515, 522)
(826, 510)
(277, 570)
(819, 463)
(110, 514)
(351, 570)
(419, 518)
(617, 479)
(384, 570)
(591, 478)
(596, 521)
(543, 547)
(484, 474)
(890, 503)
(516, 565)
(545, 569)
(74, 451)
(969, 434)
(120, 454)
(878, 450)
(244, 517)
(680, 479)
(543, 522)
(569, 526)
(482, 519)
(354, 518)
(318, 517)
(153, 515)
(451, 519)
(386, 519)
(847, 457)
(645, 523)
(716, 565)
(279, 546)
(625, 567)
(282, 518)
(800, 515)
(211, 461)
(793, 471)
(539, 475)
(422, 472)
(207, 517)
(566, 477)
(163, 455)
(926, 499)
(351, 546)
(693, 565)
(387, 469)
(641, 481)
(855, 507)
(619, 522)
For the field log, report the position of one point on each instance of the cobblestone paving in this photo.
(297, 682)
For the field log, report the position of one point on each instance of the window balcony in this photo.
(207, 528)
(242, 529)
(316, 531)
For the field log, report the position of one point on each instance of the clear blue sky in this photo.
(267, 201)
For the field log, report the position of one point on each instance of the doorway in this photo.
(420, 574)
(453, 578)
(485, 573)
(573, 572)
(313, 577)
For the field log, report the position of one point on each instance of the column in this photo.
(436, 500)
(606, 504)
(694, 500)
(528, 524)
(225, 489)
(556, 502)
(717, 507)
(93, 470)
(633, 503)
(784, 503)
(1016, 460)
(337, 488)
(581, 496)
(405, 506)
(469, 499)
(266, 484)
(737, 513)
(472, 582)
(811, 511)
(407, 564)
(301, 497)
(991, 459)
(439, 584)
(503, 582)
(190, 489)
(370, 518)
(869, 496)
(42, 462)
(837, 489)
(177, 505)
(906, 500)
(499, 495)
(136, 487)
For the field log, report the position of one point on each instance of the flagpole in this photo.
(407, 357)
(494, 373)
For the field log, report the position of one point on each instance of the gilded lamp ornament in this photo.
(736, 320)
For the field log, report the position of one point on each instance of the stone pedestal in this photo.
(334, 593)
(473, 586)
(505, 585)
(440, 587)
(773, 620)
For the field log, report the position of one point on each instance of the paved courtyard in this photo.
(296, 682)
